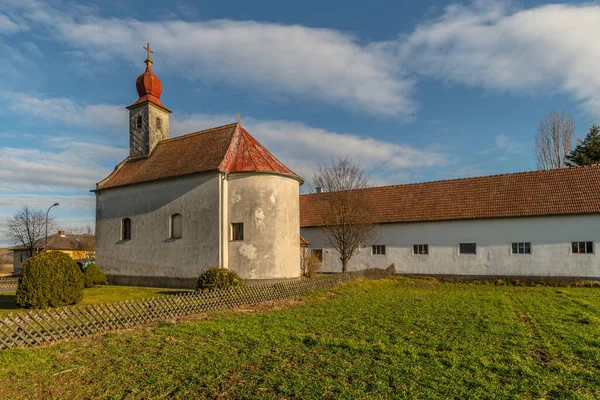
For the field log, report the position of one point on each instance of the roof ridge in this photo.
(532, 172)
(187, 135)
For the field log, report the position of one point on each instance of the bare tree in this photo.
(345, 210)
(553, 140)
(27, 228)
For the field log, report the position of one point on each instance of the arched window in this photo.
(176, 226)
(158, 123)
(126, 229)
(138, 122)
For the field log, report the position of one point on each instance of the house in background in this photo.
(78, 246)
(541, 223)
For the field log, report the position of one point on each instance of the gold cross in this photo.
(148, 50)
(239, 116)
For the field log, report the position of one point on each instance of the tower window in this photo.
(237, 231)
(126, 229)
(138, 122)
(176, 226)
(158, 123)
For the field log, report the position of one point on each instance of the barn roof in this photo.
(562, 191)
(228, 148)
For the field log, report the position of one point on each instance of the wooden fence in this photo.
(9, 282)
(39, 327)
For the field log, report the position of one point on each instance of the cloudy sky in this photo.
(413, 90)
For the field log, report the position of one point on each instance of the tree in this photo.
(27, 227)
(346, 212)
(553, 140)
(586, 152)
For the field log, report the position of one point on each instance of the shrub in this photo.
(218, 278)
(50, 280)
(93, 276)
(312, 265)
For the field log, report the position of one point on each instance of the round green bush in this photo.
(50, 280)
(218, 278)
(94, 276)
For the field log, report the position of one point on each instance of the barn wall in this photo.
(550, 238)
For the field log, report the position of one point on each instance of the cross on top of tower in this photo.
(149, 51)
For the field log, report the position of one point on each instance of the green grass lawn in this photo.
(398, 338)
(101, 294)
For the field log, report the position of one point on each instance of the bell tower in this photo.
(148, 117)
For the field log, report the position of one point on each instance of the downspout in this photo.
(223, 239)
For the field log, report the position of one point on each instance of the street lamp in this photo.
(46, 241)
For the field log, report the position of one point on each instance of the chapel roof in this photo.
(563, 191)
(229, 148)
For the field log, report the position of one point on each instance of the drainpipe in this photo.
(223, 230)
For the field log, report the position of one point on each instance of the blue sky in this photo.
(414, 91)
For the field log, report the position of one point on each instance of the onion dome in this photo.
(148, 85)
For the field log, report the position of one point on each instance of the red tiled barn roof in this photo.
(227, 148)
(552, 192)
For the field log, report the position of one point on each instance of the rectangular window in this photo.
(521, 248)
(582, 247)
(468, 248)
(378, 250)
(126, 229)
(237, 231)
(317, 253)
(420, 249)
(21, 259)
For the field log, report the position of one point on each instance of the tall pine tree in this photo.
(587, 151)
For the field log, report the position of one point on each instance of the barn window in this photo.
(378, 250)
(468, 248)
(237, 231)
(317, 253)
(126, 229)
(176, 226)
(582, 247)
(158, 123)
(521, 248)
(138, 122)
(421, 249)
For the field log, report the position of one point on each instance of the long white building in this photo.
(542, 223)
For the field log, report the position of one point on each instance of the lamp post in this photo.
(46, 241)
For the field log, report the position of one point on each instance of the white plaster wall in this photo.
(268, 206)
(150, 252)
(550, 239)
(17, 264)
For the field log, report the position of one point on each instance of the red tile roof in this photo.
(553, 192)
(228, 148)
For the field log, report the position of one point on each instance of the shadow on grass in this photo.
(8, 303)
(174, 292)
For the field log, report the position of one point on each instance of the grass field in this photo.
(101, 294)
(394, 338)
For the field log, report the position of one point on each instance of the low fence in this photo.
(39, 327)
(9, 282)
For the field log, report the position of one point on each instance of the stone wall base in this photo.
(152, 281)
(523, 278)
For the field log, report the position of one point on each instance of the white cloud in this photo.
(77, 202)
(294, 60)
(96, 116)
(552, 48)
(508, 145)
(69, 165)
(302, 147)
(9, 26)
